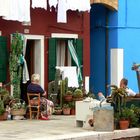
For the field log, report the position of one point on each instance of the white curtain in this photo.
(25, 76)
(60, 53)
(75, 58)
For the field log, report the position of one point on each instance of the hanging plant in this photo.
(15, 62)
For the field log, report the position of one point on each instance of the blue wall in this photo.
(97, 37)
(129, 37)
(123, 29)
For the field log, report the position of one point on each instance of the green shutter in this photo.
(52, 58)
(79, 50)
(3, 59)
(78, 45)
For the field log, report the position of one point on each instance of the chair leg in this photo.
(30, 111)
(38, 110)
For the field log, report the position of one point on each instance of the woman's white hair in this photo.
(35, 78)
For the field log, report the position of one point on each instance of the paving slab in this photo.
(57, 128)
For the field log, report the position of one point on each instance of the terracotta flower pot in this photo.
(58, 112)
(68, 98)
(124, 124)
(3, 116)
(66, 111)
(72, 111)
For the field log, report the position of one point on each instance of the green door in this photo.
(3, 58)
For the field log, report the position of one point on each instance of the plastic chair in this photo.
(34, 104)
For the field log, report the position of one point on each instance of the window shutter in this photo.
(52, 58)
(3, 58)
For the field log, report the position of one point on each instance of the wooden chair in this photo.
(34, 104)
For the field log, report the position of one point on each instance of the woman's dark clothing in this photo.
(35, 88)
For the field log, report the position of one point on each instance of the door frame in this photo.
(39, 54)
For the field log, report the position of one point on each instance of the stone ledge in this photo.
(128, 134)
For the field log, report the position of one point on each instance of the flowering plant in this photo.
(17, 104)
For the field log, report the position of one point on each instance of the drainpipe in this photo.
(106, 55)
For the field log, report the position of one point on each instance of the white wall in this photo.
(116, 66)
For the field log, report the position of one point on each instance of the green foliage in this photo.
(68, 92)
(4, 96)
(118, 97)
(66, 105)
(15, 62)
(72, 104)
(90, 94)
(2, 109)
(78, 93)
(135, 118)
(17, 104)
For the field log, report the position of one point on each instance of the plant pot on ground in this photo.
(128, 118)
(18, 107)
(72, 106)
(57, 110)
(66, 109)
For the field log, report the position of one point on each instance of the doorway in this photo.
(35, 60)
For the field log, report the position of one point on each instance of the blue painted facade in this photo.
(114, 29)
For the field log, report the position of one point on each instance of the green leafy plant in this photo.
(66, 105)
(90, 94)
(72, 104)
(78, 93)
(135, 117)
(118, 97)
(68, 92)
(4, 99)
(17, 104)
(2, 109)
(15, 62)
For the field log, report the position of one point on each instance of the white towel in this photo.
(39, 4)
(62, 11)
(81, 5)
(4, 7)
(18, 10)
(71, 74)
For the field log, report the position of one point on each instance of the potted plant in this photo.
(124, 119)
(18, 107)
(118, 97)
(57, 110)
(72, 105)
(118, 101)
(135, 116)
(66, 109)
(77, 95)
(68, 96)
(4, 96)
(128, 118)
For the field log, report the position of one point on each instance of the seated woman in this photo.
(46, 105)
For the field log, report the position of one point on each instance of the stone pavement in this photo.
(57, 128)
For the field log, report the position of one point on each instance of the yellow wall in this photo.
(112, 4)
